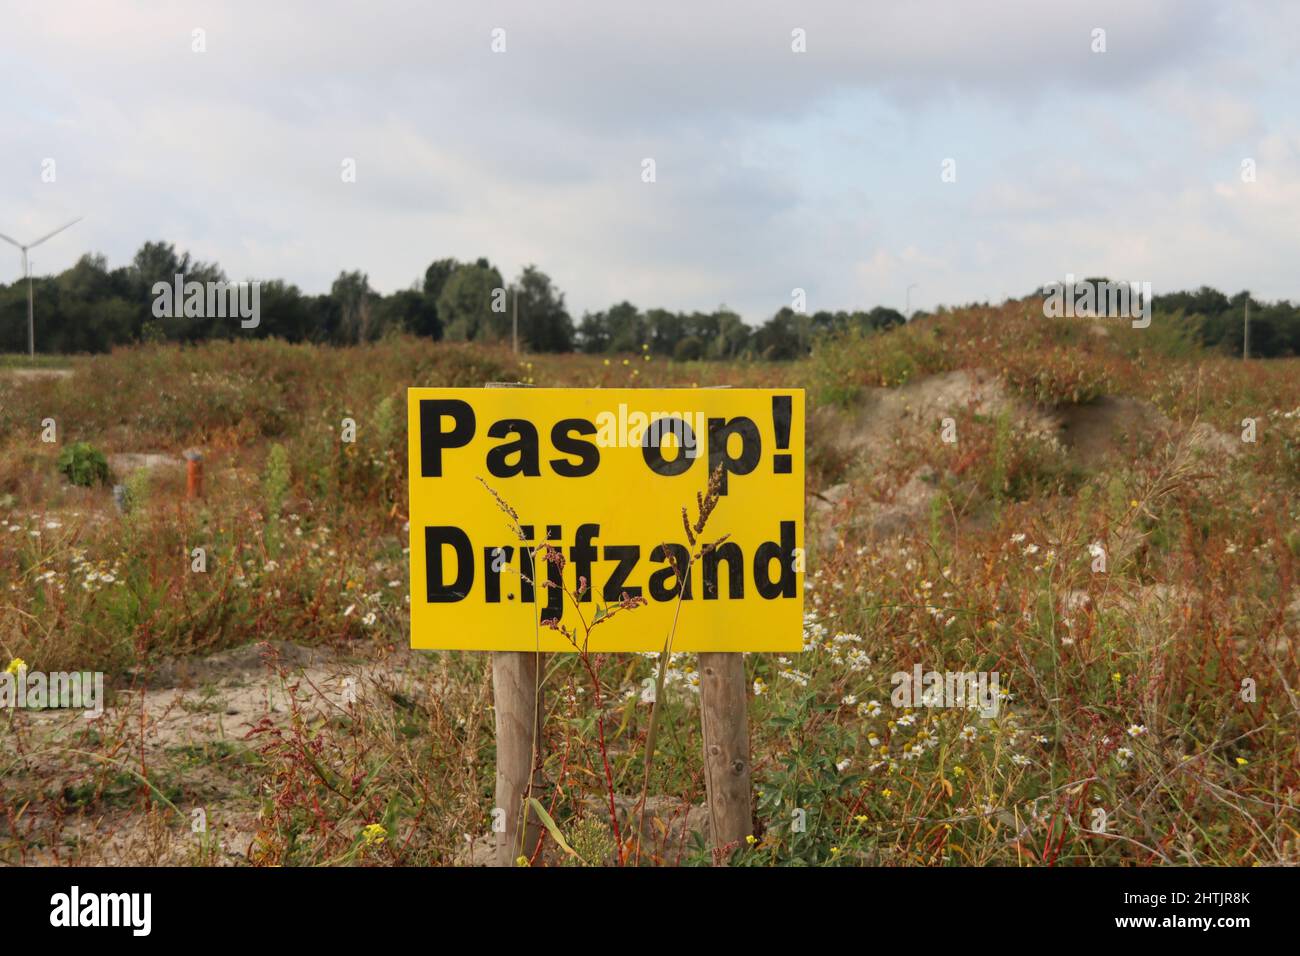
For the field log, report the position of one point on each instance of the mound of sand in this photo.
(870, 434)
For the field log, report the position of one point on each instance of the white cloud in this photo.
(776, 169)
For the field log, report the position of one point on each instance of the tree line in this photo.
(1213, 320)
(91, 308)
(1217, 321)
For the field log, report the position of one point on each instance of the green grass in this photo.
(1125, 686)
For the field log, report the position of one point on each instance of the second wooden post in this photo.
(725, 724)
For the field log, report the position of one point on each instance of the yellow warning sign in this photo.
(536, 512)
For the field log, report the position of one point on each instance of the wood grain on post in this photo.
(520, 706)
(726, 747)
(517, 695)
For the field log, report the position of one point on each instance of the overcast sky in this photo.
(774, 169)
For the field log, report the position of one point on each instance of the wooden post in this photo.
(520, 707)
(724, 720)
(726, 747)
(519, 701)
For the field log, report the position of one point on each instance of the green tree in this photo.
(627, 328)
(731, 338)
(352, 292)
(593, 333)
(666, 330)
(89, 316)
(544, 323)
(409, 310)
(882, 317)
(427, 321)
(781, 337)
(158, 262)
(465, 304)
(436, 276)
(285, 312)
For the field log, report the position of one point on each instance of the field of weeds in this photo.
(1100, 515)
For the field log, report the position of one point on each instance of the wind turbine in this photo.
(31, 323)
